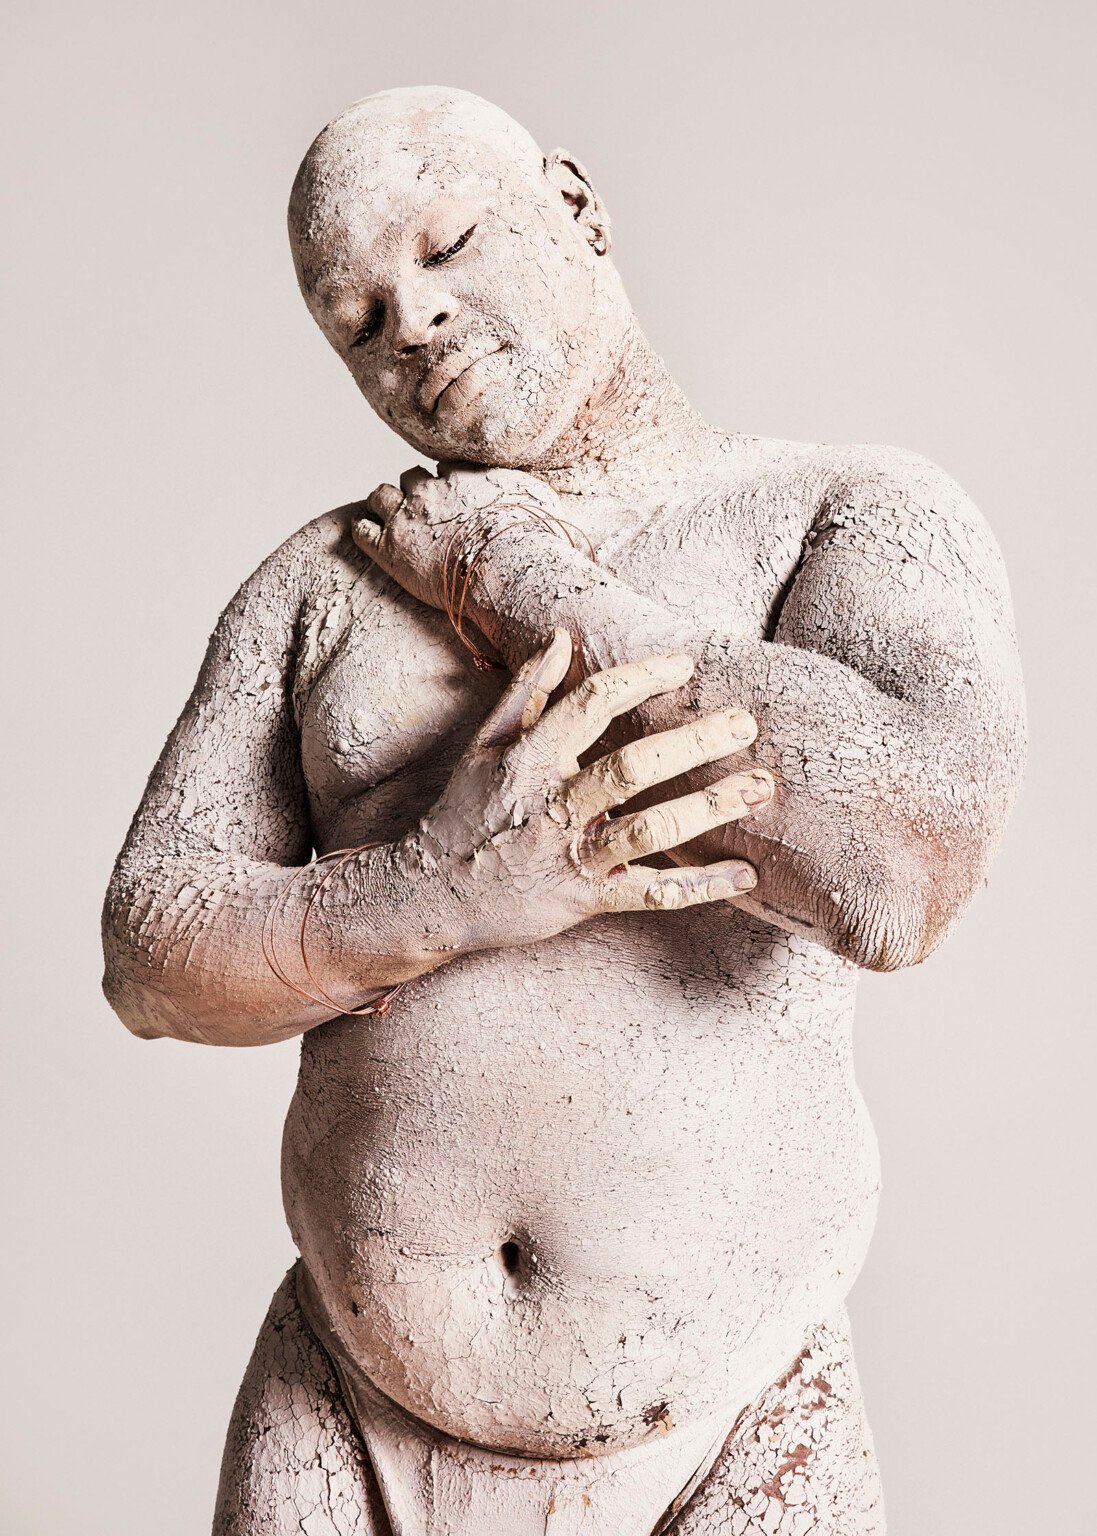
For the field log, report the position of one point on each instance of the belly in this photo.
(563, 1194)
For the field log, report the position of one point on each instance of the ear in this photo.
(571, 181)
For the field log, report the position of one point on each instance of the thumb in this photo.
(523, 701)
(378, 507)
(366, 532)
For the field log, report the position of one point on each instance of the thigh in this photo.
(800, 1460)
(293, 1460)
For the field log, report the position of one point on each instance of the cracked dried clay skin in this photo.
(578, 1213)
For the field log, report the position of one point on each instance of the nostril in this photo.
(440, 319)
(510, 1257)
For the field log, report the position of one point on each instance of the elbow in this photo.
(887, 933)
(128, 969)
(132, 1007)
(145, 1012)
(135, 990)
(154, 1001)
(203, 1016)
(153, 1015)
(897, 912)
(906, 899)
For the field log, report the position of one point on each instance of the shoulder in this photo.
(861, 472)
(898, 509)
(895, 485)
(307, 570)
(885, 474)
(318, 554)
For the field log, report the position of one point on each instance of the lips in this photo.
(450, 369)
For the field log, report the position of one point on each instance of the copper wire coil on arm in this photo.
(379, 1005)
(451, 570)
(455, 610)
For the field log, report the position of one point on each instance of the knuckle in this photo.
(652, 829)
(511, 760)
(620, 769)
(591, 689)
(724, 799)
(612, 897)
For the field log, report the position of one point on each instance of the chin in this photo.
(478, 436)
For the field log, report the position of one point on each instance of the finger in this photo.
(638, 888)
(379, 506)
(576, 721)
(650, 760)
(526, 696)
(367, 534)
(413, 478)
(676, 821)
(382, 502)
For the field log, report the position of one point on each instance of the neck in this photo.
(637, 429)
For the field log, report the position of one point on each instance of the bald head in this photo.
(428, 228)
(361, 163)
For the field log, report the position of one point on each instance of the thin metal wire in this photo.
(452, 559)
(379, 1005)
(455, 612)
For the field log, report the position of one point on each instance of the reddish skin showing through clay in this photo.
(602, 1173)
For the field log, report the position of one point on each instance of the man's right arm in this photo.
(516, 849)
(223, 828)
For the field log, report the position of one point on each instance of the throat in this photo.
(637, 437)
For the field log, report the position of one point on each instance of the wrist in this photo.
(423, 919)
(520, 584)
(364, 923)
(533, 582)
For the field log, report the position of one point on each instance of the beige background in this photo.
(838, 222)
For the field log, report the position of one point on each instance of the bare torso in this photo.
(564, 1192)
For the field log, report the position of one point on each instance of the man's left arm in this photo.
(888, 702)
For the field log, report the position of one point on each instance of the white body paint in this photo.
(589, 1194)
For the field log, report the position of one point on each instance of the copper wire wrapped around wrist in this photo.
(454, 602)
(455, 556)
(381, 1004)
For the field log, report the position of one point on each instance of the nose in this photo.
(417, 316)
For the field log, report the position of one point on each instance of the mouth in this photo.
(447, 373)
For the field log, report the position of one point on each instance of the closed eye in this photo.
(438, 257)
(369, 326)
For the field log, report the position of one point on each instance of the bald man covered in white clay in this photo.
(578, 1212)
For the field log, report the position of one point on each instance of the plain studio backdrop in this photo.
(863, 222)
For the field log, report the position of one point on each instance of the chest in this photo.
(387, 696)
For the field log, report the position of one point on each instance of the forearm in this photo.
(881, 824)
(230, 951)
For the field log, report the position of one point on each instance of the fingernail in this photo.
(741, 724)
(745, 880)
(758, 792)
(384, 498)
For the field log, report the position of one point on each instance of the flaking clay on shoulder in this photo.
(619, 745)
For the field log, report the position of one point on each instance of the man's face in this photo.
(466, 301)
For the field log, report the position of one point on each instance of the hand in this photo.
(523, 838)
(433, 525)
